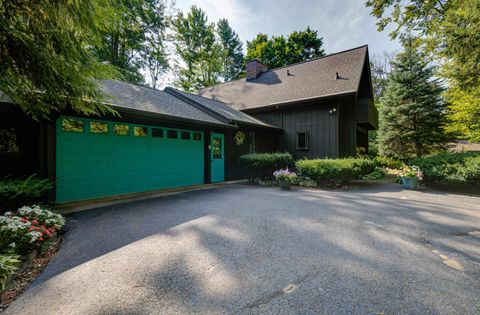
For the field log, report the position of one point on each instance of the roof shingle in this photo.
(308, 79)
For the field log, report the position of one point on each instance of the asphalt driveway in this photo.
(250, 250)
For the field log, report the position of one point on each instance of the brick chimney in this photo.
(253, 68)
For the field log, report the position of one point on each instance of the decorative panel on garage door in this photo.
(98, 158)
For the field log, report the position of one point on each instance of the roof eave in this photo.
(148, 114)
(288, 103)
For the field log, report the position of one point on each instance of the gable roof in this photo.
(311, 79)
(219, 109)
(131, 96)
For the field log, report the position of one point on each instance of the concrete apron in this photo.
(77, 206)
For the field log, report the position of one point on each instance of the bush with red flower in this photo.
(28, 228)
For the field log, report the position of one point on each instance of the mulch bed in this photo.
(23, 280)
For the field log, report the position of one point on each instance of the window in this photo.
(9, 140)
(72, 125)
(251, 142)
(98, 127)
(121, 130)
(185, 135)
(172, 134)
(140, 131)
(302, 140)
(197, 136)
(217, 148)
(157, 133)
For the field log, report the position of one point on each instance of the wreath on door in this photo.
(239, 137)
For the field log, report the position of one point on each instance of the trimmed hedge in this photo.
(450, 167)
(262, 165)
(338, 171)
(384, 161)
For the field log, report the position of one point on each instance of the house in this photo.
(166, 139)
(324, 106)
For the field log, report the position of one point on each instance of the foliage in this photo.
(46, 60)
(380, 68)
(285, 174)
(155, 52)
(8, 265)
(464, 115)
(14, 192)
(198, 49)
(449, 31)
(42, 216)
(135, 39)
(389, 162)
(451, 167)
(412, 116)
(411, 172)
(28, 228)
(278, 51)
(335, 171)
(262, 165)
(232, 51)
(377, 174)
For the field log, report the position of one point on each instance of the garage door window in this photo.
(172, 134)
(197, 136)
(72, 125)
(98, 127)
(157, 133)
(185, 135)
(140, 131)
(121, 130)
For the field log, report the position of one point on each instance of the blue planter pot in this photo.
(410, 183)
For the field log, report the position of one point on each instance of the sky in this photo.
(343, 24)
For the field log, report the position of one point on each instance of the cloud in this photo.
(343, 24)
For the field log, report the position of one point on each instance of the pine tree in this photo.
(412, 117)
(232, 52)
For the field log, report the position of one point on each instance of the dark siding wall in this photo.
(265, 141)
(31, 141)
(347, 128)
(314, 118)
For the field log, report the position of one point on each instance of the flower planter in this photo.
(285, 184)
(410, 182)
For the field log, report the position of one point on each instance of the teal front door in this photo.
(97, 158)
(217, 157)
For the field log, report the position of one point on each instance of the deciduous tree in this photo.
(200, 53)
(46, 60)
(449, 31)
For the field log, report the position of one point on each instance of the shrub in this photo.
(262, 165)
(338, 171)
(28, 228)
(8, 265)
(17, 192)
(42, 216)
(389, 162)
(451, 167)
(377, 174)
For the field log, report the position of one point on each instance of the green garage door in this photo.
(100, 158)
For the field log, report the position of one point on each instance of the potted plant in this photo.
(285, 178)
(410, 176)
